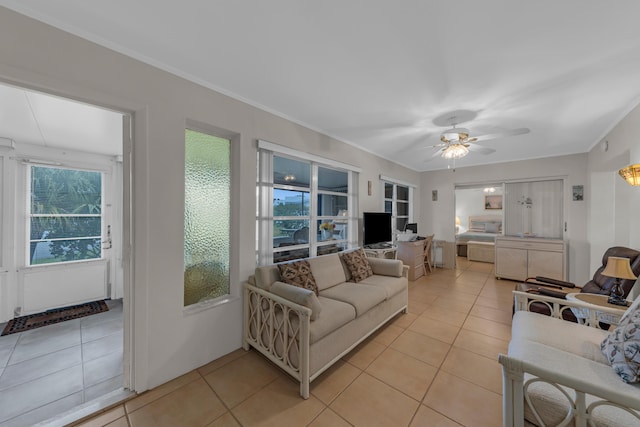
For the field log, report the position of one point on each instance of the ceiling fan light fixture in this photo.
(454, 135)
(455, 151)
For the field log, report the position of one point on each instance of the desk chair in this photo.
(428, 262)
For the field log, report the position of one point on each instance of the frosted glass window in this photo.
(65, 215)
(206, 217)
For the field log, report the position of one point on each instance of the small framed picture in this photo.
(493, 202)
(578, 193)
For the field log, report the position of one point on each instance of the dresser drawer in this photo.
(534, 245)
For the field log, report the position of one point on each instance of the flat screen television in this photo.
(377, 227)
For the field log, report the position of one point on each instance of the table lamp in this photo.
(618, 268)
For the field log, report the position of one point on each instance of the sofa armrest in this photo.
(298, 295)
(593, 314)
(386, 267)
(279, 329)
(582, 387)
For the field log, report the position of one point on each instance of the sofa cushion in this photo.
(358, 264)
(622, 346)
(327, 270)
(334, 315)
(570, 337)
(298, 273)
(391, 285)
(305, 297)
(386, 267)
(361, 297)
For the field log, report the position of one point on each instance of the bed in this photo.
(482, 228)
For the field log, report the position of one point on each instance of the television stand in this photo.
(384, 245)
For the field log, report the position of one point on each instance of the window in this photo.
(305, 206)
(207, 199)
(398, 201)
(65, 215)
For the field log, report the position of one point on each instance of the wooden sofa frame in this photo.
(514, 386)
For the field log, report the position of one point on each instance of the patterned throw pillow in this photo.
(622, 346)
(358, 264)
(298, 273)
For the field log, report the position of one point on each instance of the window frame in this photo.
(265, 217)
(394, 202)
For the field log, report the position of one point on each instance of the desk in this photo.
(388, 253)
(412, 254)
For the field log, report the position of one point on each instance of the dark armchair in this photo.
(602, 284)
(599, 284)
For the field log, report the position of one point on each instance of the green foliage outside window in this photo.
(65, 215)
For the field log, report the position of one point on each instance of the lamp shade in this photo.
(631, 174)
(455, 151)
(618, 267)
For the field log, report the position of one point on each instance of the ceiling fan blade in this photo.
(487, 137)
(480, 149)
(433, 156)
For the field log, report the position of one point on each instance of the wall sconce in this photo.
(631, 174)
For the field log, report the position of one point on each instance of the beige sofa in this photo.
(304, 334)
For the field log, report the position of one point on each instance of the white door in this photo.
(67, 250)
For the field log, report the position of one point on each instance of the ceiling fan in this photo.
(457, 142)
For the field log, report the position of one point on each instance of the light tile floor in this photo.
(50, 370)
(434, 366)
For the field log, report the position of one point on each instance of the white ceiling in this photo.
(383, 75)
(48, 121)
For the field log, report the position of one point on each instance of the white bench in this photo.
(481, 251)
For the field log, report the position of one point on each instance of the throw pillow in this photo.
(622, 345)
(358, 264)
(491, 227)
(298, 273)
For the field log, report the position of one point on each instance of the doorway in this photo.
(62, 180)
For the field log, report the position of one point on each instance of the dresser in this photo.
(412, 254)
(518, 258)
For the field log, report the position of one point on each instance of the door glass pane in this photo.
(330, 205)
(403, 209)
(388, 190)
(291, 172)
(290, 232)
(65, 215)
(333, 180)
(289, 255)
(290, 203)
(403, 193)
(206, 217)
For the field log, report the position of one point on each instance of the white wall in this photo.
(614, 203)
(168, 341)
(438, 216)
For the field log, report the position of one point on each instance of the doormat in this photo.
(56, 315)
